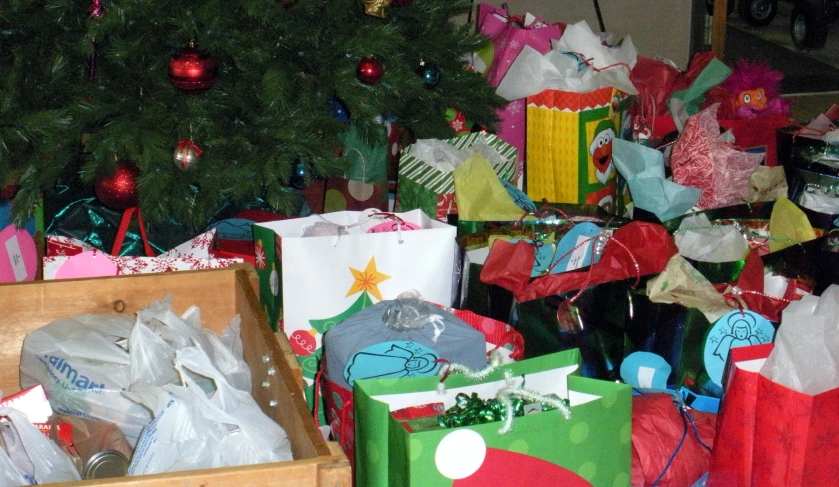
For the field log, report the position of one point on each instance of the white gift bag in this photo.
(309, 284)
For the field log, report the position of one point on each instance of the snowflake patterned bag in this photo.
(425, 170)
(68, 258)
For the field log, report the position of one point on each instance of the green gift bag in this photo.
(592, 448)
(430, 188)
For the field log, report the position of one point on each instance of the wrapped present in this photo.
(404, 337)
(577, 434)
(68, 258)
(661, 454)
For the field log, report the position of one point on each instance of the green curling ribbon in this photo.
(472, 410)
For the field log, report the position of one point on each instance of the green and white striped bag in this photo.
(423, 186)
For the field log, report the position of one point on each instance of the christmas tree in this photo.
(218, 102)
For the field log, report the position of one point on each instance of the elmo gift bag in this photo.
(575, 432)
(569, 145)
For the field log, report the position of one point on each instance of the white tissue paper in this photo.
(531, 72)
(446, 158)
(806, 353)
(820, 200)
(698, 239)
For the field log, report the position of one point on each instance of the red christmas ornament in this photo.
(192, 71)
(370, 70)
(303, 342)
(119, 190)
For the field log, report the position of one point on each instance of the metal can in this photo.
(105, 464)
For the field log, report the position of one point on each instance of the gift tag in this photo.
(87, 264)
(734, 329)
(392, 226)
(519, 197)
(575, 247)
(18, 255)
(392, 360)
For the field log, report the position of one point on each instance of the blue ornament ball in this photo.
(430, 74)
(339, 110)
(301, 175)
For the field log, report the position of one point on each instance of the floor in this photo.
(811, 78)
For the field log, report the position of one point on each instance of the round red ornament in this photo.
(192, 71)
(370, 70)
(119, 190)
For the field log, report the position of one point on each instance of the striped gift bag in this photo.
(423, 186)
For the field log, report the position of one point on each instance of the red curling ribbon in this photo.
(186, 144)
(122, 230)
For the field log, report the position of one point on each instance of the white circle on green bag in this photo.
(274, 282)
(460, 454)
(734, 329)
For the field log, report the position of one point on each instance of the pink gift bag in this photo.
(509, 35)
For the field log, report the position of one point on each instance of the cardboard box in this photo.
(219, 294)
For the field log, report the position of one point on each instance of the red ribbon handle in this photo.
(122, 230)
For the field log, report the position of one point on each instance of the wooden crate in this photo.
(219, 294)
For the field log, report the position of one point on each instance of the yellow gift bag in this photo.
(569, 146)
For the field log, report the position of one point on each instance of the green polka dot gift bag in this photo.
(533, 423)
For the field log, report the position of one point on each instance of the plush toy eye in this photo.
(747, 98)
(759, 95)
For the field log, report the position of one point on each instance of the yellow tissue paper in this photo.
(479, 193)
(788, 225)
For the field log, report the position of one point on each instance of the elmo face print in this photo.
(600, 150)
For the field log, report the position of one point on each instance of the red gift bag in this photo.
(636, 249)
(769, 435)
